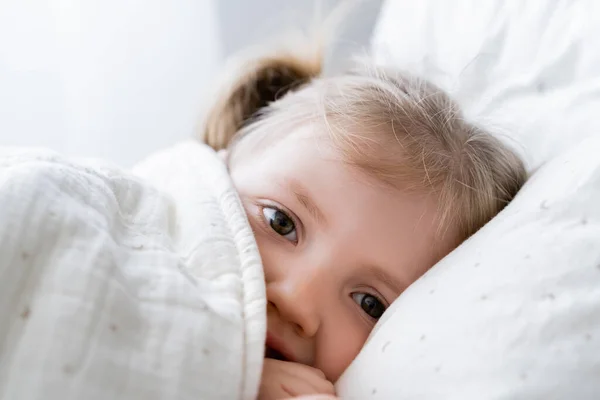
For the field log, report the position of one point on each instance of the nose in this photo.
(297, 301)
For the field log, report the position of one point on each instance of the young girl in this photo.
(149, 284)
(354, 185)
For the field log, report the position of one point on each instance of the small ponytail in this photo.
(257, 83)
(262, 80)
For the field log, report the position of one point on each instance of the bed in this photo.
(148, 285)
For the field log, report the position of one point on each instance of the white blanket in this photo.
(116, 287)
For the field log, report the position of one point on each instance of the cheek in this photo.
(340, 342)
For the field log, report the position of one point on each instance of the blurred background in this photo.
(118, 79)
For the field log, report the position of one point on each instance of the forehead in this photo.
(369, 222)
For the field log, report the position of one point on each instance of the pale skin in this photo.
(337, 248)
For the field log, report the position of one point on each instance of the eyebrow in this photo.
(303, 198)
(387, 279)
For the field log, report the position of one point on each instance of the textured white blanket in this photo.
(127, 286)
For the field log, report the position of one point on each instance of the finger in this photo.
(293, 368)
(297, 386)
(286, 387)
(285, 379)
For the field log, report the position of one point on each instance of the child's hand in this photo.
(284, 379)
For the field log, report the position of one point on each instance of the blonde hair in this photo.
(400, 129)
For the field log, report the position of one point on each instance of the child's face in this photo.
(337, 247)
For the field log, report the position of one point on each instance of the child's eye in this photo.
(281, 223)
(370, 304)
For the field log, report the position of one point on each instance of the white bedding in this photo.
(528, 69)
(119, 300)
(116, 287)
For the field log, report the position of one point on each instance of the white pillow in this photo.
(513, 313)
(530, 68)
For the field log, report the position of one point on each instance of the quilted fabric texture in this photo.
(513, 313)
(114, 287)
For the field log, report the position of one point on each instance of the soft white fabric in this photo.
(527, 68)
(116, 287)
(514, 313)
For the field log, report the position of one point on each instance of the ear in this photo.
(253, 87)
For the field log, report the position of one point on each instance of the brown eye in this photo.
(370, 304)
(281, 223)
